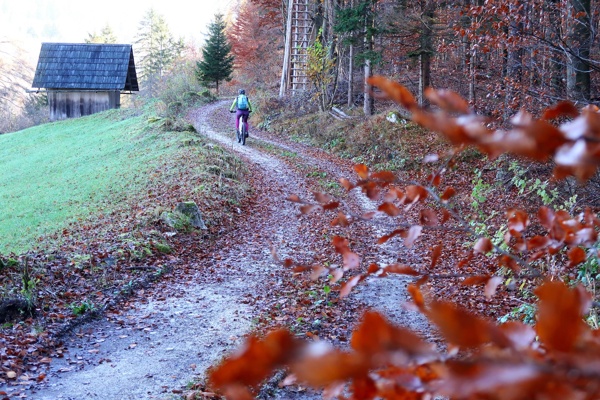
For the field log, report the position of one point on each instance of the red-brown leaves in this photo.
(562, 109)
(415, 193)
(347, 287)
(448, 100)
(436, 252)
(576, 256)
(256, 361)
(427, 217)
(560, 324)
(385, 238)
(448, 194)
(517, 221)
(362, 170)
(400, 269)
(341, 220)
(390, 209)
(350, 259)
(483, 246)
(375, 336)
(462, 328)
(413, 233)
(394, 91)
(573, 145)
(383, 176)
(320, 370)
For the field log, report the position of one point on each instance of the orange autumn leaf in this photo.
(258, 359)
(394, 91)
(427, 217)
(401, 269)
(347, 287)
(384, 176)
(448, 100)
(576, 256)
(560, 325)
(561, 109)
(462, 328)
(436, 252)
(362, 170)
(413, 233)
(385, 238)
(322, 198)
(390, 209)
(483, 246)
(318, 369)
(475, 280)
(448, 194)
(376, 335)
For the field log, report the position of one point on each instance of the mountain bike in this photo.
(242, 133)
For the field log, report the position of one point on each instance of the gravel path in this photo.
(170, 333)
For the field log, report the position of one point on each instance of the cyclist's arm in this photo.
(249, 106)
(233, 105)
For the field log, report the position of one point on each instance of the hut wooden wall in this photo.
(66, 104)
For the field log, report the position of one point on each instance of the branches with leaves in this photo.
(508, 361)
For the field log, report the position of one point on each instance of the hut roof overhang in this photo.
(86, 66)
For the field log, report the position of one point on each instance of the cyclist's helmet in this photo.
(242, 91)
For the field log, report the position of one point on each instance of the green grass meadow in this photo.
(53, 174)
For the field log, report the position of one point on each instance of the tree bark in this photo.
(579, 40)
(426, 51)
(557, 64)
(514, 60)
(283, 86)
(368, 104)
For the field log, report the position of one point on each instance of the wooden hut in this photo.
(84, 78)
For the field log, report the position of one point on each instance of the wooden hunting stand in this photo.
(298, 36)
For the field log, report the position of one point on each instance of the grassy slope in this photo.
(54, 174)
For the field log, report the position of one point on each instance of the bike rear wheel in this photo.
(244, 132)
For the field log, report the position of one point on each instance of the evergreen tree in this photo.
(217, 62)
(156, 49)
(106, 35)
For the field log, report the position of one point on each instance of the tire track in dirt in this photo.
(173, 331)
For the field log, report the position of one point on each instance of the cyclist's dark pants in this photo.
(245, 114)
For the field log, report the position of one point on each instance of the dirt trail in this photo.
(171, 332)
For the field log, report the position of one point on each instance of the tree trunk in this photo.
(368, 104)
(579, 39)
(283, 86)
(426, 41)
(557, 65)
(351, 69)
(350, 75)
(514, 61)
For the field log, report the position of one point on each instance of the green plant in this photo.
(28, 285)
(524, 313)
(163, 248)
(83, 307)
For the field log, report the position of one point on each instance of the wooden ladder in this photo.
(299, 32)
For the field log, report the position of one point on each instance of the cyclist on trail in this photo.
(243, 107)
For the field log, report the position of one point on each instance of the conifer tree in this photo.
(156, 47)
(217, 62)
(106, 35)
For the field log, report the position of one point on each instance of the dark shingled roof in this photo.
(86, 67)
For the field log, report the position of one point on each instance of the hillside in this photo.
(83, 170)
